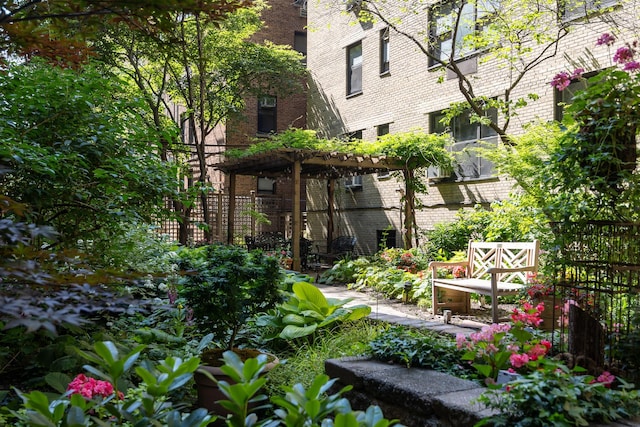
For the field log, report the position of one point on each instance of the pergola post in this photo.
(297, 217)
(331, 209)
(231, 216)
(409, 197)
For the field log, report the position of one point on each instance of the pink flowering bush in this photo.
(554, 395)
(516, 346)
(598, 155)
(90, 387)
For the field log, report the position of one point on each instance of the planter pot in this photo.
(551, 314)
(456, 301)
(208, 392)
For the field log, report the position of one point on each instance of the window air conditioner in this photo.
(267, 102)
(353, 183)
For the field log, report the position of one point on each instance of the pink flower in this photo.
(605, 39)
(537, 351)
(632, 66)
(577, 73)
(623, 55)
(518, 360)
(606, 378)
(561, 81)
(461, 341)
(90, 387)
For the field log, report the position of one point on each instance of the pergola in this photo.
(308, 164)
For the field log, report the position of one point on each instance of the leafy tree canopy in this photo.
(59, 29)
(78, 152)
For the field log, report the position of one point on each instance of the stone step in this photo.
(415, 397)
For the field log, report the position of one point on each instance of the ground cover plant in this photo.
(419, 348)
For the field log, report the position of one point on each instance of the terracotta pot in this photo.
(551, 313)
(208, 392)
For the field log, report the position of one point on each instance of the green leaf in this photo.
(291, 332)
(58, 381)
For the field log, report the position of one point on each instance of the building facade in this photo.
(284, 24)
(367, 79)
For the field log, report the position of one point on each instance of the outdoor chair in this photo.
(340, 247)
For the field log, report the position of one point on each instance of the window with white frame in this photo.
(267, 118)
(384, 51)
(467, 135)
(474, 17)
(354, 69)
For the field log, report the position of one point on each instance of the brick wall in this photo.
(403, 98)
(281, 20)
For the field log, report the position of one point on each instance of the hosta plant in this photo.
(308, 310)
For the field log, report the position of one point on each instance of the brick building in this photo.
(367, 80)
(285, 24)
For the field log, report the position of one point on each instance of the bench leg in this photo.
(434, 299)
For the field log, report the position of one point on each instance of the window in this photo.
(267, 114)
(566, 96)
(350, 136)
(384, 51)
(354, 69)
(383, 130)
(466, 134)
(442, 18)
(573, 9)
(300, 42)
(266, 185)
(353, 182)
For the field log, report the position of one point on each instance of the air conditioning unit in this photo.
(268, 102)
(437, 173)
(353, 182)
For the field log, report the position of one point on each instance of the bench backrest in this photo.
(484, 255)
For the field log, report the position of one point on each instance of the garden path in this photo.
(397, 312)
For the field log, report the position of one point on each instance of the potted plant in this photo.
(225, 286)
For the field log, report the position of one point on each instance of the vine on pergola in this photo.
(416, 150)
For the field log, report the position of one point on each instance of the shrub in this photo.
(226, 285)
(556, 396)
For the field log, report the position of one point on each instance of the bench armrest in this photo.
(497, 270)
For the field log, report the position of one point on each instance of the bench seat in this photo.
(492, 268)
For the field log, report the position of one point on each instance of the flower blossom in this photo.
(519, 360)
(90, 387)
(605, 39)
(632, 66)
(561, 81)
(623, 55)
(530, 315)
(606, 378)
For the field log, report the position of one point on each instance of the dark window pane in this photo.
(267, 108)
(354, 67)
(384, 50)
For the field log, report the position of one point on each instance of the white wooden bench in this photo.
(491, 268)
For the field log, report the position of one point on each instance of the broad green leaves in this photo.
(307, 310)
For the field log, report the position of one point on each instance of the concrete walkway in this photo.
(397, 313)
